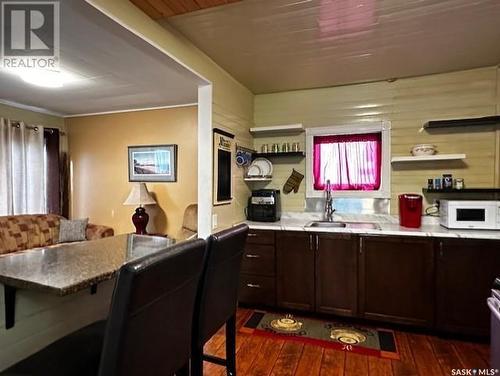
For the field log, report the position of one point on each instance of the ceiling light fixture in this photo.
(44, 77)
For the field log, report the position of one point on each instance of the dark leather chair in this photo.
(217, 297)
(148, 331)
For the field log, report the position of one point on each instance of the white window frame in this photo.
(383, 127)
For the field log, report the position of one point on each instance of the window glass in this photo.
(351, 162)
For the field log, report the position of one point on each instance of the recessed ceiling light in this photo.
(44, 77)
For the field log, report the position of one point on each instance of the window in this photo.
(354, 158)
(29, 168)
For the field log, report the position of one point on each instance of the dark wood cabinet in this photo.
(295, 270)
(396, 279)
(466, 270)
(336, 274)
(419, 281)
(258, 269)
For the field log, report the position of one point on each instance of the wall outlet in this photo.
(215, 218)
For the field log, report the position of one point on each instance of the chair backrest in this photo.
(218, 292)
(149, 327)
(190, 222)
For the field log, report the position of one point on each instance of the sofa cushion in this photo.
(72, 230)
(20, 232)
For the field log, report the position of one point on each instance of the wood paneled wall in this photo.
(408, 104)
(223, 118)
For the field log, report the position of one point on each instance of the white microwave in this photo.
(483, 215)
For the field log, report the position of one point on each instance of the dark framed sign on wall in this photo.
(223, 157)
(152, 163)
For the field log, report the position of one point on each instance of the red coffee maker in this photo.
(410, 210)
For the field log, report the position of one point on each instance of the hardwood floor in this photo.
(420, 354)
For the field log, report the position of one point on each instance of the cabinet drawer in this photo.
(259, 259)
(260, 237)
(257, 290)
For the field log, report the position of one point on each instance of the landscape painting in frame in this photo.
(152, 163)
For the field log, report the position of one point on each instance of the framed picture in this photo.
(152, 163)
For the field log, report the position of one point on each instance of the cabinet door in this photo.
(295, 270)
(466, 270)
(336, 274)
(396, 279)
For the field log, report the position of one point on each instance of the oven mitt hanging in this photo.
(293, 182)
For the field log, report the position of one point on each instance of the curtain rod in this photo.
(17, 124)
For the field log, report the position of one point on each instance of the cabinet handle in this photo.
(252, 256)
(317, 242)
(360, 246)
(251, 235)
(253, 286)
(441, 252)
(310, 242)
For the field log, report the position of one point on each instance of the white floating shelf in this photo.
(423, 158)
(258, 179)
(277, 130)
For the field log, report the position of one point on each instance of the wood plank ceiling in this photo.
(278, 45)
(157, 9)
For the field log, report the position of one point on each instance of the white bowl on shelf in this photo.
(423, 149)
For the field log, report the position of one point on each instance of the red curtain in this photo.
(350, 162)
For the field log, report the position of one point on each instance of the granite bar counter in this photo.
(68, 268)
(386, 225)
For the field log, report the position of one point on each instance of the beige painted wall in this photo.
(232, 102)
(36, 118)
(31, 117)
(98, 152)
(408, 104)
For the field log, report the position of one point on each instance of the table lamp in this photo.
(139, 195)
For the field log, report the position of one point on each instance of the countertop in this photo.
(388, 225)
(67, 268)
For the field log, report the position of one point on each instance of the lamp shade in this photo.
(139, 195)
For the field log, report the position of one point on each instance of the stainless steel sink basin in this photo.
(360, 225)
(326, 224)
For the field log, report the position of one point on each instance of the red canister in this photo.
(410, 210)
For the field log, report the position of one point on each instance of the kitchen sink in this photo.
(361, 225)
(326, 224)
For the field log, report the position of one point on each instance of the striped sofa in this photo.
(22, 232)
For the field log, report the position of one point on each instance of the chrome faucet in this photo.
(329, 202)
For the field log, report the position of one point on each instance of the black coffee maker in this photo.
(264, 205)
